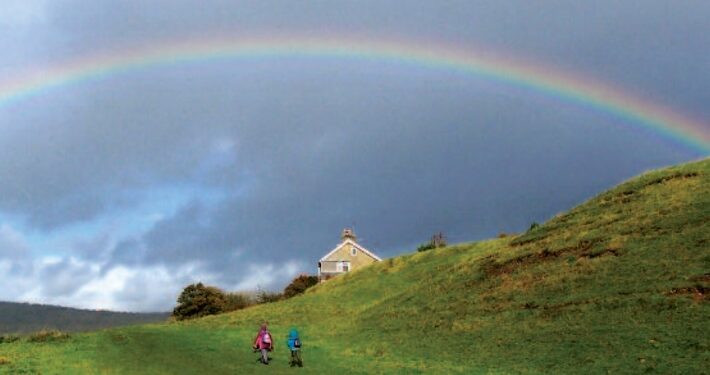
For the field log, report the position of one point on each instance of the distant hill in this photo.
(619, 284)
(25, 317)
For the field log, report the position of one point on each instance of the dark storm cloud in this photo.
(276, 156)
(12, 245)
(645, 44)
(74, 160)
(14, 252)
(89, 157)
(407, 160)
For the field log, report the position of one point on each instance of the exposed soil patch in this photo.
(646, 231)
(704, 277)
(526, 239)
(605, 252)
(672, 177)
(625, 196)
(549, 311)
(610, 222)
(698, 292)
(583, 249)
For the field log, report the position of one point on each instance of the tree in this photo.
(299, 285)
(198, 300)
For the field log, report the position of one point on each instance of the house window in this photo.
(342, 266)
(353, 251)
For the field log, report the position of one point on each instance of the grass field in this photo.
(617, 285)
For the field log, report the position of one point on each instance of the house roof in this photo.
(353, 243)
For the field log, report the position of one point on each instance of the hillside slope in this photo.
(618, 284)
(27, 317)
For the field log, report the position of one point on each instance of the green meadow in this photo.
(618, 284)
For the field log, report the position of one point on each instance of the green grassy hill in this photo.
(619, 284)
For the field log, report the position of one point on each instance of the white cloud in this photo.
(138, 289)
(122, 288)
(265, 276)
(79, 281)
(156, 288)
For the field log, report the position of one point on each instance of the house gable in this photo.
(338, 254)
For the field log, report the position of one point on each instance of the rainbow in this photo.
(637, 113)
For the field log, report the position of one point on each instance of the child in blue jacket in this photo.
(294, 344)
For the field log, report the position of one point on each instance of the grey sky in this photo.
(115, 193)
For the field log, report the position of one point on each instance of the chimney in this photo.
(348, 234)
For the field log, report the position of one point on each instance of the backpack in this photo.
(266, 339)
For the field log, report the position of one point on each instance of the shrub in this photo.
(425, 247)
(437, 240)
(198, 300)
(8, 338)
(237, 301)
(47, 336)
(299, 285)
(533, 226)
(263, 296)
